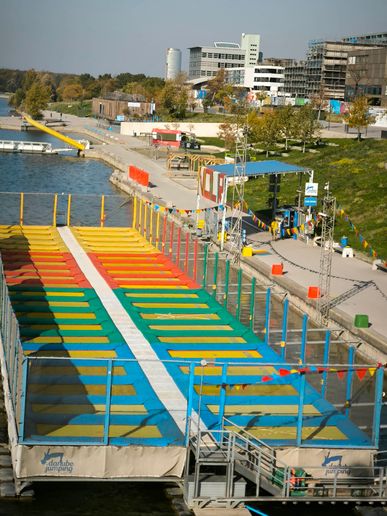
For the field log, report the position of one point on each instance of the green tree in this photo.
(37, 99)
(286, 125)
(17, 98)
(358, 115)
(265, 130)
(306, 126)
(228, 132)
(72, 91)
(173, 98)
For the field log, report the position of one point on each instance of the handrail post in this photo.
(226, 282)
(205, 260)
(267, 315)
(378, 405)
(164, 235)
(171, 237)
(157, 229)
(325, 363)
(348, 389)
(102, 216)
(178, 246)
(304, 338)
(108, 400)
(284, 334)
(195, 264)
(134, 217)
(21, 212)
(191, 384)
(301, 397)
(150, 224)
(68, 216)
(239, 295)
(54, 210)
(186, 262)
(222, 397)
(23, 399)
(252, 303)
(215, 277)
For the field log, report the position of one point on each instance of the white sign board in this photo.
(311, 189)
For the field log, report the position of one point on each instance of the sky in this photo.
(116, 36)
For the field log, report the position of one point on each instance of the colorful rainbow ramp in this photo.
(55, 295)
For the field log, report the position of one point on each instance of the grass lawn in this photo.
(77, 108)
(357, 175)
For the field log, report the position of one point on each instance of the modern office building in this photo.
(378, 38)
(205, 61)
(172, 63)
(326, 67)
(295, 83)
(367, 75)
(250, 43)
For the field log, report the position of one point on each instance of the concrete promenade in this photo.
(365, 290)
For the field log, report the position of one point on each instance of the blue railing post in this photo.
(301, 397)
(108, 401)
(252, 303)
(267, 315)
(222, 396)
(304, 335)
(377, 406)
(325, 363)
(239, 295)
(284, 335)
(348, 389)
(23, 399)
(190, 395)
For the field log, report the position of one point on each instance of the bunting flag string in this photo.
(174, 210)
(365, 244)
(282, 372)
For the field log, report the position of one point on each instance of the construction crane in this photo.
(238, 196)
(328, 225)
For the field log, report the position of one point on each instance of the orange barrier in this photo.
(277, 269)
(140, 176)
(313, 292)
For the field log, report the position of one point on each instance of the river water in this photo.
(66, 174)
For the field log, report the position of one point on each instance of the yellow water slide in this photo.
(54, 133)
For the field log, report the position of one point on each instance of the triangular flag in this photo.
(361, 373)
(266, 378)
(372, 370)
(283, 372)
(341, 374)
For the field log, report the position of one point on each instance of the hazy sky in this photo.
(114, 36)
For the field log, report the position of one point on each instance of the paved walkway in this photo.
(362, 290)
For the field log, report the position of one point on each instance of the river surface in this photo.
(86, 180)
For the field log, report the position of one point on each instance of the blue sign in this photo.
(310, 201)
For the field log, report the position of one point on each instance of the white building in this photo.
(172, 63)
(250, 43)
(266, 78)
(205, 62)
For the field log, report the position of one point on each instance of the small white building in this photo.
(266, 78)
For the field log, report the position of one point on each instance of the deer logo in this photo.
(49, 456)
(328, 460)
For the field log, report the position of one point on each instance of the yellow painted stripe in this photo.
(207, 340)
(191, 327)
(75, 370)
(170, 305)
(129, 431)
(250, 390)
(180, 316)
(308, 432)
(73, 354)
(80, 389)
(292, 410)
(87, 409)
(231, 370)
(214, 354)
(31, 293)
(69, 304)
(56, 315)
(68, 327)
(68, 340)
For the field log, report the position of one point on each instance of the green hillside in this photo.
(357, 173)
